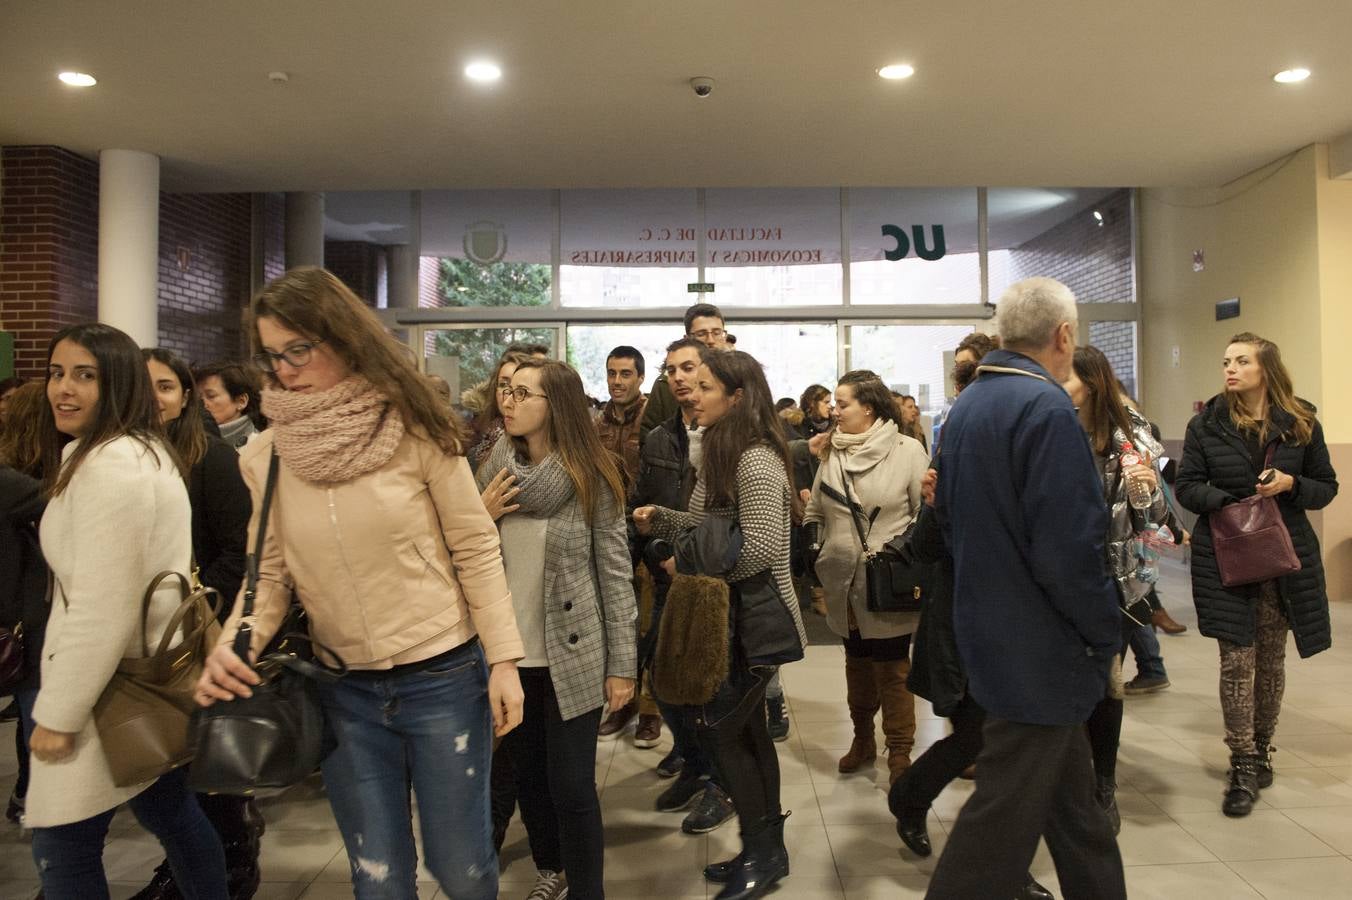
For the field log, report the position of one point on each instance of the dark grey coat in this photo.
(1217, 470)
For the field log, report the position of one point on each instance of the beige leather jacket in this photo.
(393, 567)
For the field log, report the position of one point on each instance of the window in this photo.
(931, 232)
(1079, 236)
(493, 248)
(466, 356)
(589, 345)
(794, 354)
(911, 359)
(773, 247)
(627, 248)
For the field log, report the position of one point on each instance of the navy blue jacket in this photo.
(1022, 510)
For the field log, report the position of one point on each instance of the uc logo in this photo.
(903, 247)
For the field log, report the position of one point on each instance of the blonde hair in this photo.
(1277, 388)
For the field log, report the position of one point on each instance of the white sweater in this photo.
(123, 519)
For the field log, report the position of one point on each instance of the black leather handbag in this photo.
(275, 738)
(896, 582)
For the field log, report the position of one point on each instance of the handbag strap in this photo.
(851, 506)
(244, 635)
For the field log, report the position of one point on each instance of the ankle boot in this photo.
(898, 705)
(1242, 791)
(1161, 619)
(1034, 891)
(861, 693)
(764, 860)
(1262, 744)
(161, 886)
(1105, 793)
(241, 869)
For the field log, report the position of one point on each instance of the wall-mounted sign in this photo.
(700, 287)
(930, 251)
(1227, 309)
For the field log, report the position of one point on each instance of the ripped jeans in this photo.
(423, 728)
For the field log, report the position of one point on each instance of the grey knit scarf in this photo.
(545, 487)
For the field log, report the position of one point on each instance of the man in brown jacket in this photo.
(618, 426)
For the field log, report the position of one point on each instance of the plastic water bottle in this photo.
(1139, 494)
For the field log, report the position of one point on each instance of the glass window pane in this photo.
(589, 345)
(1117, 340)
(933, 235)
(773, 247)
(630, 248)
(492, 248)
(910, 358)
(465, 356)
(1080, 236)
(794, 355)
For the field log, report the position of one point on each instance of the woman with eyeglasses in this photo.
(566, 550)
(377, 528)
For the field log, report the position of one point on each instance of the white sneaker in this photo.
(549, 886)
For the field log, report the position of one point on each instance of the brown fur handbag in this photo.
(691, 659)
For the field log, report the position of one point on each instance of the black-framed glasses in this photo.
(297, 355)
(518, 395)
(707, 333)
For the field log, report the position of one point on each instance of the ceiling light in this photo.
(1291, 76)
(896, 71)
(78, 79)
(1098, 217)
(483, 71)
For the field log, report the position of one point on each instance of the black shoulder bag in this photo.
(895, 581)
(276, 737)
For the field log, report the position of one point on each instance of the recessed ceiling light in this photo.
(1291, 76)
(1098, 217)
(483, 71)
(78, 79)
(896, 71)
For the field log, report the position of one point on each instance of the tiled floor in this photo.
(1175, 842)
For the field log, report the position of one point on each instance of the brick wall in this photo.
(1117, 340)
(49, 217)
(358, 264)
(205, 242)
(1093, 261)
(274, 236)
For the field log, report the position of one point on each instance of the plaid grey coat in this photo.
(590, 608)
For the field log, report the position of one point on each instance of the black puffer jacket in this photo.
(23, 571)
(1217, 469)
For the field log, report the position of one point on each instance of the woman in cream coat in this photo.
(118, 515)
(882, 470)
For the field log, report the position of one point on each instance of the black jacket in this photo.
(936, 666)
(23, 571)
(221, 507)
(1217, 469)
(665, 478)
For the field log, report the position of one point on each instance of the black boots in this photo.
(1105, 793)
(1242, 791)
(776, 720)
(1263, 751)
(1034, 891)
(762, 863)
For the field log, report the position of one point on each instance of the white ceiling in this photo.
(1082, 92)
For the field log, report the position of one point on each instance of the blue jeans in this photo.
(1146, 648)
(70, 857)
(424, 727)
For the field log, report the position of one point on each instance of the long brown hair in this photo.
(314, 302)
(747, 423)
(1103, 400)
(573, 436)
(1280, 394)
(126, 405)
(186, 434)
(21, 438)
(488, 412)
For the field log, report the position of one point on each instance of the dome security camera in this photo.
(702, 85)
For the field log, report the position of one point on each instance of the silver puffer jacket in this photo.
(1124, 522)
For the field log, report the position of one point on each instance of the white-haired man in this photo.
(1034, 610)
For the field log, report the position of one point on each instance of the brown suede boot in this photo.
(861, 693)
(898, 705)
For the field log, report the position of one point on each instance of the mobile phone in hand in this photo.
(1268, 476)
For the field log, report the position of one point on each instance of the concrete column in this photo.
(304, 229)
(129, 243)
(404, 260)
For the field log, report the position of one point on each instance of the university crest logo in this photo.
(485, 242)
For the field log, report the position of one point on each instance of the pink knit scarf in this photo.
(334, 435)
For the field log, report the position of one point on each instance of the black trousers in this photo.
(733, 731)
(914, 792)
(1032, 781)
(555, 764)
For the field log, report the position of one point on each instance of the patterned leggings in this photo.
(1254, 678)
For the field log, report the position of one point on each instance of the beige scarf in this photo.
(334, 435)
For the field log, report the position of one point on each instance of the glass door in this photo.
(465, 354)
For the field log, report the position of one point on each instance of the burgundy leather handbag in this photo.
(1251, 541)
